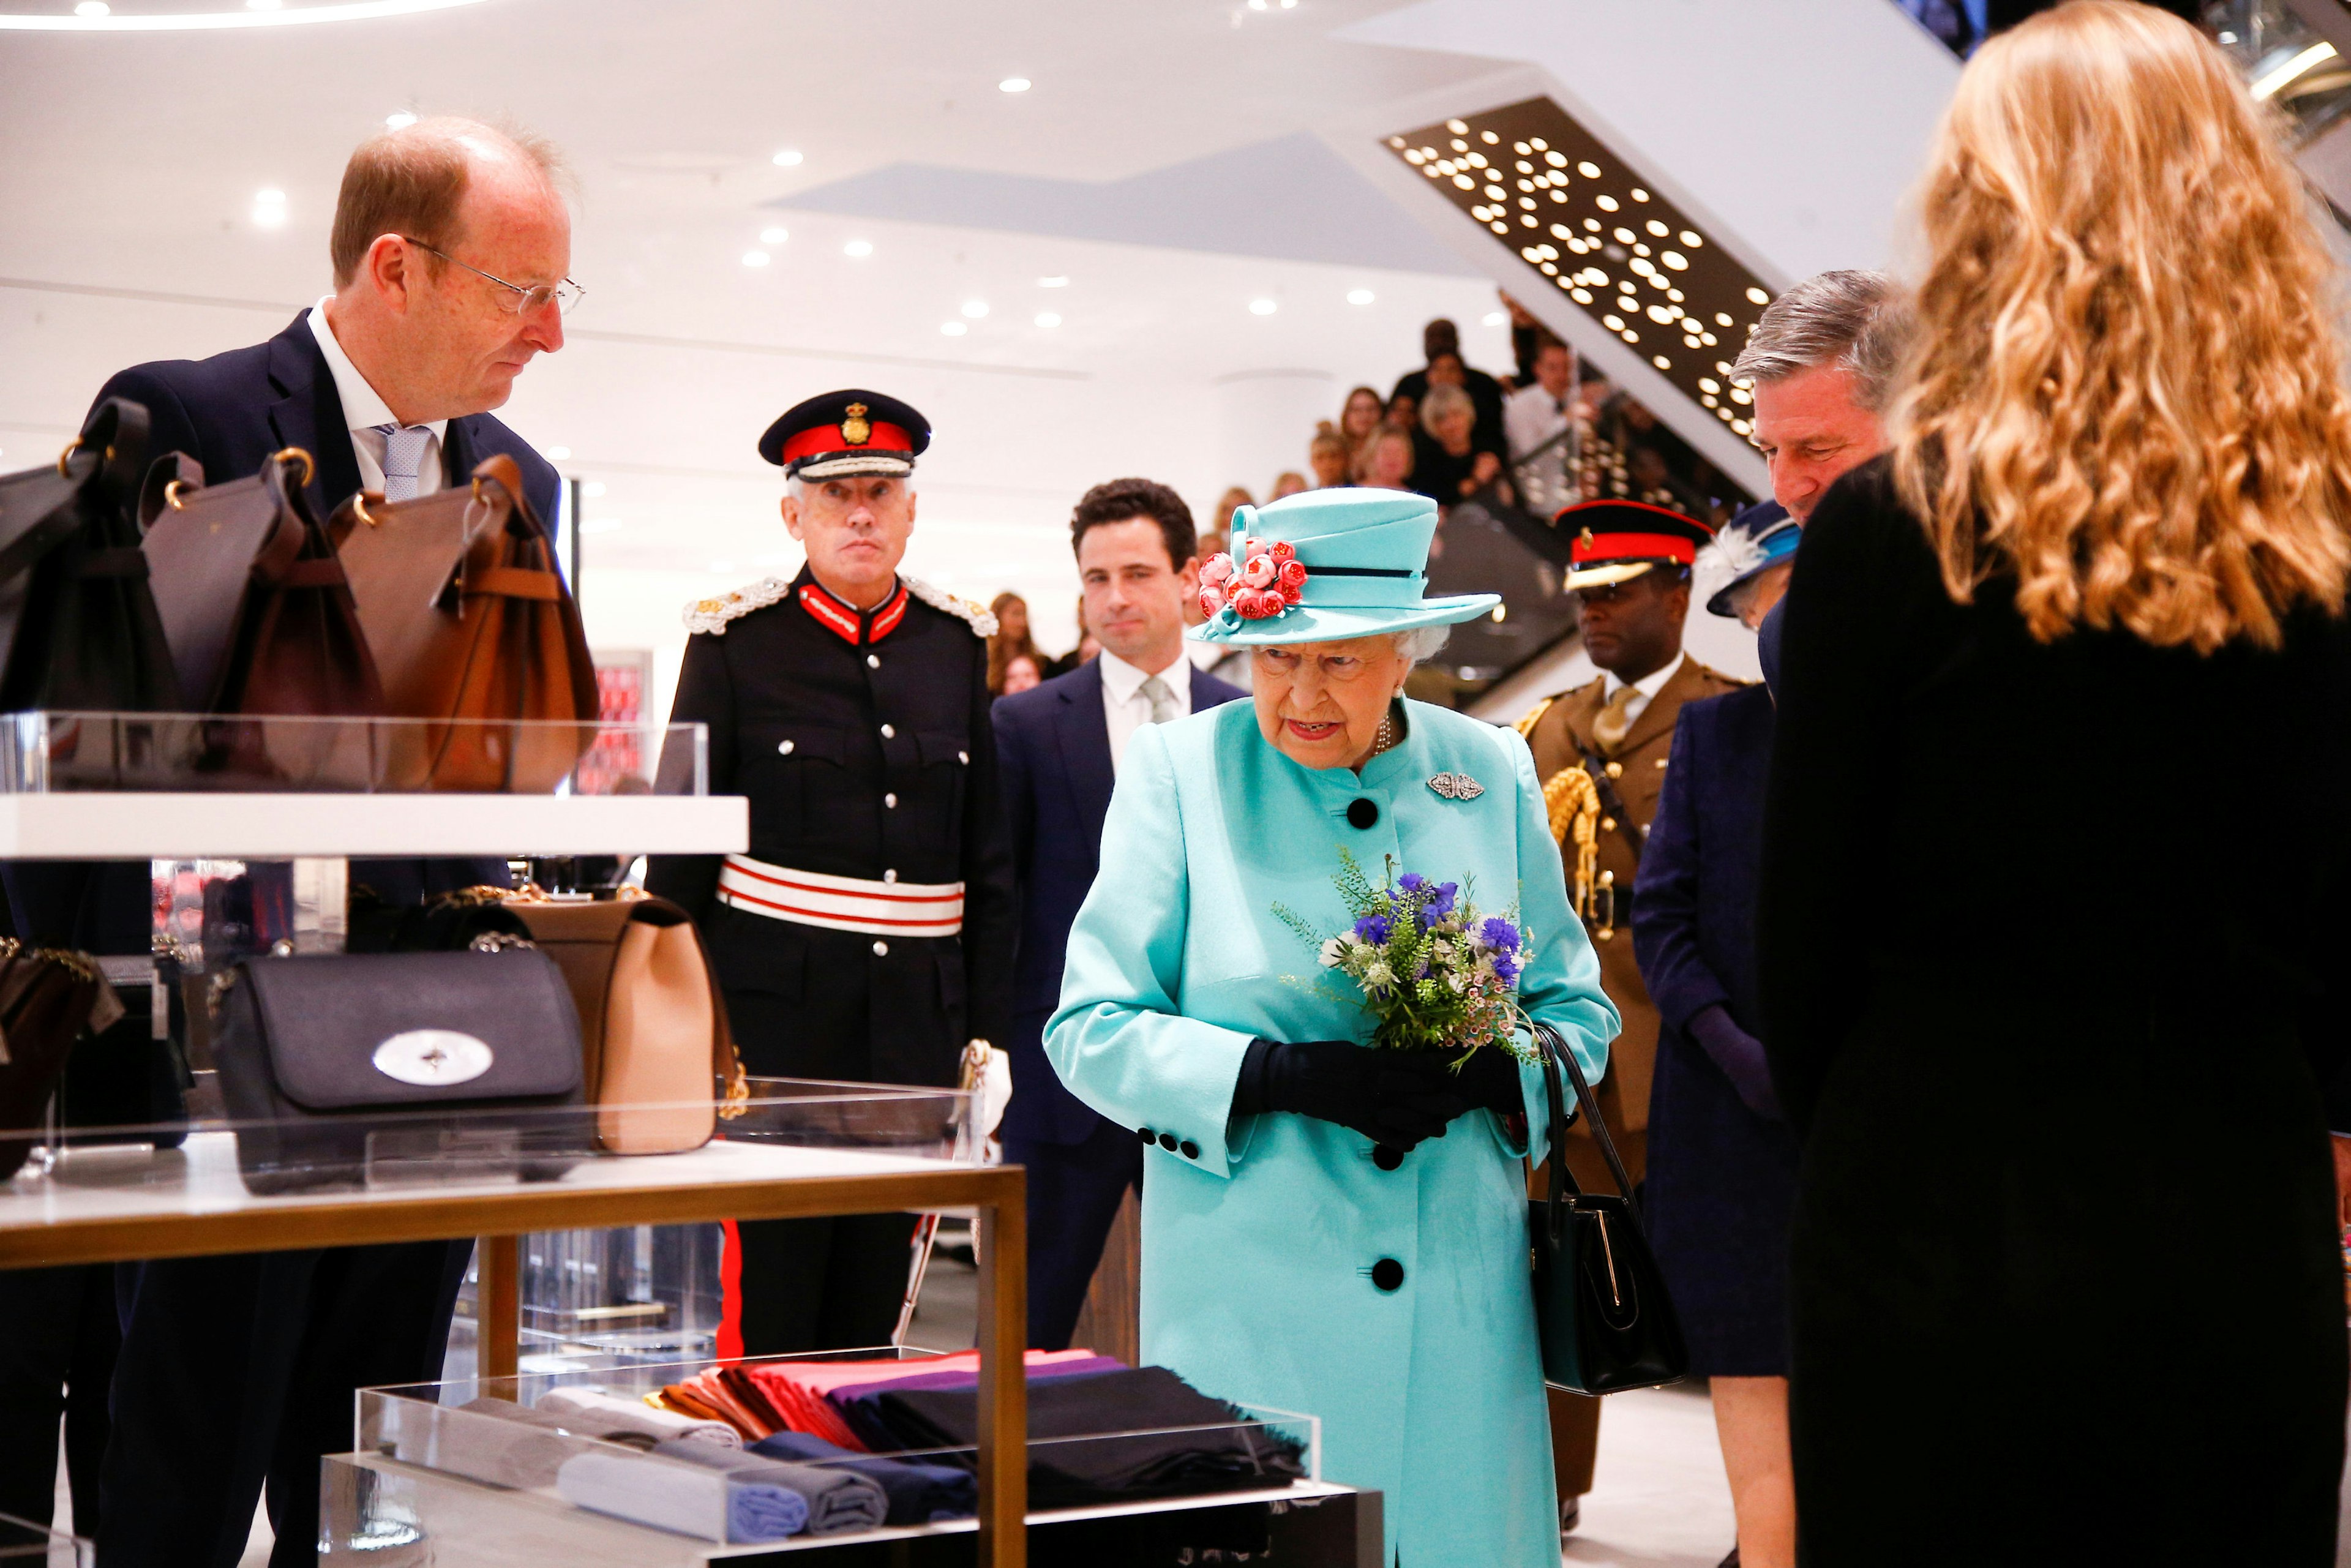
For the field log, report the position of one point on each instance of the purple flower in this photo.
(1412, 882)
(1445, 893)
(1374, 929)
(1506, 968)
(1499, 933)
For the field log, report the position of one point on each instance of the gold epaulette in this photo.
(1526, 727)
(1572, 802)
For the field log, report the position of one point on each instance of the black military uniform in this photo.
(867, 934)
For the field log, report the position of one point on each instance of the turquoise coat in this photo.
(1260, 1234)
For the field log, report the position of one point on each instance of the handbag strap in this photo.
(116, 436)
(1555, 1052)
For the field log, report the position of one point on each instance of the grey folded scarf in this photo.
(838, 1501)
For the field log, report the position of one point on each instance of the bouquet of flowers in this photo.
(1438, 975)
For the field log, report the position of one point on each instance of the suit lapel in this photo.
(1202, 698)
(1658, 717)
(1082, 732)
(309, 414)
(457, 458)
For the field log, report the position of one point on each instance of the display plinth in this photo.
(136, 825)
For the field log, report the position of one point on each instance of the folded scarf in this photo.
(860, 1404)
(797, 1388)
(1106, 1468)
(635, 1416)
(917, 1492)
(822, 1502)
(648, 1491)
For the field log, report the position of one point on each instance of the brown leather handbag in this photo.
(47, 1000)
(473, 628)
(652, 1025)
(261, 622)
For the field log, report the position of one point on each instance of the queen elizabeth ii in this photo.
(1327, 1227)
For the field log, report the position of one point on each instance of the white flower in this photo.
(1379, 977)
(1458, 981)
(1334, 952)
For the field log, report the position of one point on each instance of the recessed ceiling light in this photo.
(774, 236)
(858, 247)
(755, 258)
(97, 17)
(399, 120)
(1047, 319)
(1053, 283)
(1495, 319)
(975, 308)
(787, 158)
(269, 209)
(594, 488)
(1359, 296)
(1261, 307)
(1758, 297)
(558, 454)
(1013, 84)
(271, 197)
(954, 328)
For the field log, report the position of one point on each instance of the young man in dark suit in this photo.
(1059, 745)
(451, 246)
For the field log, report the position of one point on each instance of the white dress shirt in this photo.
(1532, 416)
(1126, 707)
(364, 408)
(1647, 686)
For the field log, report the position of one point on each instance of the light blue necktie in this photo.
(1162, 699)
(403, 454)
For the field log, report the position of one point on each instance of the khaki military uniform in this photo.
(1553, 730)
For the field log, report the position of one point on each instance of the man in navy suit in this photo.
(451, 246)
(1058, 747)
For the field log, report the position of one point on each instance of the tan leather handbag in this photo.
(471, 625)
(652, 1025)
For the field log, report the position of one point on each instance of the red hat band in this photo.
(1593, 547)
(880, 437)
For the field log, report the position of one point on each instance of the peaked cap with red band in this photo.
(1616, 541)
(843, 432)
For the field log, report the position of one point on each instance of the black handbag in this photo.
(1601, 1313)
(78, 628)
(373, 1067)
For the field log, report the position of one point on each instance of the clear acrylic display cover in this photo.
(788, 1129)
(423, 1428)
(63, 752)
(24, 1544)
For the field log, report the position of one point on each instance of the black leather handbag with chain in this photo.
(1601, 1313)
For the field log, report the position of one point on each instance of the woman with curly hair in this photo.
(2065, 1278)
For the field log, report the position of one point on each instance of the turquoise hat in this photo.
(1363, 554)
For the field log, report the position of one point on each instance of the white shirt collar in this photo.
(1648, 685)
(363, 408)
(1123, 680)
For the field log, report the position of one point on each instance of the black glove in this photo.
(1490, 1077)
(1393, 1097)
(1741, 1056)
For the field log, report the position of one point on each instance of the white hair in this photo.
(1421, 643)
(797, 487)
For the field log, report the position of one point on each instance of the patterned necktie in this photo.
(403, 455)
(1162, 700)
(1616, 718)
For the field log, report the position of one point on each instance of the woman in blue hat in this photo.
(1328, 1227)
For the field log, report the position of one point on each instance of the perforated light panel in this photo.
(1588, 228)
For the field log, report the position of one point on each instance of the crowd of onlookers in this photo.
(1553, 432)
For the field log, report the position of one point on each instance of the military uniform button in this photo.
(1363, 812)
(783, 749)
(1663, 760)
(1146, 1135)
(1615, 770)
(892, 801)
(1167, 1142)
(1387, 1274)
(873, 661)
(964, 756)
(1387, 1158)
(880, 950)
(888, 733)
(1607, 824)
(1188, 1149)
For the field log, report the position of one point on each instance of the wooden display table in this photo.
(101, 1206)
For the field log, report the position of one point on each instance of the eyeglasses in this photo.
(518, 300)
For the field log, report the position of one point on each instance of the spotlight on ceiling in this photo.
(1047, 319)
(1494, 319)
(1013, 84)
(787, 158)
(1053, 283)
(975, 308)
(269, 208)
(774, 236)
(400, 120)
(954, 328)
(1261, 307)
(858, 247)
(1359, 296)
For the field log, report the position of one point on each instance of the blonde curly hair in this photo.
(2125, 387)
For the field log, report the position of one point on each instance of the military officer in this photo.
(867, 934)
(1601, 752)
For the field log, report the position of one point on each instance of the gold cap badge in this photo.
(1584, 539)
(854, 430)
